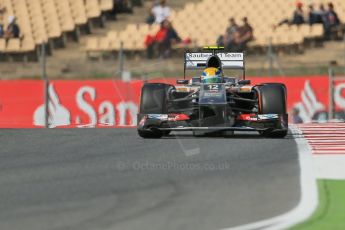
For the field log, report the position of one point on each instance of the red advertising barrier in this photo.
(72, 103)
(108, 103)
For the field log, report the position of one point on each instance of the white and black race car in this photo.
(220, 108)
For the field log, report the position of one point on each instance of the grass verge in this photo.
(330, 213)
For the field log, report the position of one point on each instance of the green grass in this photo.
(330, 214)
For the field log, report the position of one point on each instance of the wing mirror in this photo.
(244, 82)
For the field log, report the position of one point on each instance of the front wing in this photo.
(181, 122)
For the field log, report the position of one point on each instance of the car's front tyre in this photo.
(153, 101)
(272, 100)
(148, 134)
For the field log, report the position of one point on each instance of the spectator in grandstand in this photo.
(12, 30)
(297, 18)
(322, 12)
(161, 12)
(242, 36)
(2, 12)
(150, 43)
(160, 38)
(172, 38)
(151, 18)
(316, 16)
(122, 6)
(163, 41)
(156, 42)
(165, 38)
(2, 9)
(2, 32)
(227, 39)
(332, 21)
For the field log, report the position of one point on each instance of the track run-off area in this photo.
(327, 144)
(112, 179)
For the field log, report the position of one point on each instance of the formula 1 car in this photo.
(213, 103)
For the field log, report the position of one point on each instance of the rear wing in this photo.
(198, 60)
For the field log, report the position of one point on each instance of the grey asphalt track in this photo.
(112, 179)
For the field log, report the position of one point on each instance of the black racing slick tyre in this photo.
(273, 101)
(153, 134)
(153, 101)
(154, 98)
(274, 133)
(150, 134)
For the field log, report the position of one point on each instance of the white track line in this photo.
(330, 167)
(309, 194)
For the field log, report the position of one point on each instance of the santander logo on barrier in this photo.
(86, 111)
(58, 114)
(313, 107)
(339, 96)
(310, 104)
(106, 112)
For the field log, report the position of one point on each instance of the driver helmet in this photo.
(211, 75)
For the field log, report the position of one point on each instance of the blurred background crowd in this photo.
(88, 30)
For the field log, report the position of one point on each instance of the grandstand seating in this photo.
(42, 20)
(209, 19)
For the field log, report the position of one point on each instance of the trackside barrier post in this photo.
(331, 93)
(121, 59)
(46, 85)
(344, 52)
(270, 57)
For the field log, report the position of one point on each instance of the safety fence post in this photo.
(46, 84)
(344, 51)
(331, 93)
(270, 57)
(121, 59)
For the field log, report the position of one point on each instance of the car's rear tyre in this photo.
(273, 101)
(153, 101)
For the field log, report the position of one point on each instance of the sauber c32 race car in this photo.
(213, 104)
